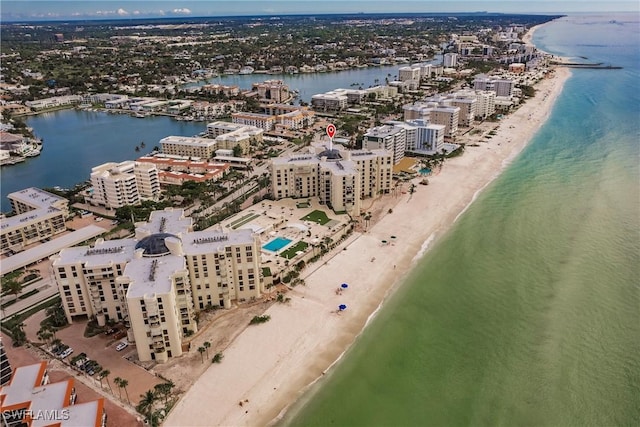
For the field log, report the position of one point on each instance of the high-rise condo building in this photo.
(156, 282)
(126, 183)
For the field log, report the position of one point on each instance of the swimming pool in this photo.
(276, 244)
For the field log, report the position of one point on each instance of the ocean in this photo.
(527, 312)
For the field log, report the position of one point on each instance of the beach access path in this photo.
(268, 366)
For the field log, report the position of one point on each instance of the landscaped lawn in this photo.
(291, 252)
(318, 217)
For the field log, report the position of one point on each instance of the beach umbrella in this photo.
(342, 307)
(344, 286)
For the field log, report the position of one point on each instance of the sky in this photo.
(30, 10)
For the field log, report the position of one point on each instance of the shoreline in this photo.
(270, 366)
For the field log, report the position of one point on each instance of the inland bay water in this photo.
(75, 141)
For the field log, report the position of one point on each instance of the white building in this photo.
(422, 137)
(157, 282)
(56, 101)
(408, 73)
(390, 138)
(38, 215)
(126, 183)
(502, 87)
(450, 60)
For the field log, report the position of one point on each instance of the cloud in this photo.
(122, 12)
(181, 11)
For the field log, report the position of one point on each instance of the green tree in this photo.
(12, 287)
(124, 383)
(201, 350)
(105, 375)
(164, 389)
(145, 407)
(18, 335)
(237, 151)
(207, 346)
(118, 382)
(45, 334)
(57, 315)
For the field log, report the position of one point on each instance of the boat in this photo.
(246, 70)
(139, 115)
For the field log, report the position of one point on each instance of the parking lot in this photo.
(102, 349)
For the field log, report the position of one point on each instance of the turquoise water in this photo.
(527, 313)
(276, 244)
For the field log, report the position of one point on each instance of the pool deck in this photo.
(270, 219)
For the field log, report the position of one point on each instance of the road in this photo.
(47, 287)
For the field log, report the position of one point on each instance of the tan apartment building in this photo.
(125, 183)
(272, 91)
(38, 215)
(339, 178)
(189, 146)
(437, 110)
(262, 121)
(156, 282)
(229, 135)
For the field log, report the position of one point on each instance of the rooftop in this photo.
(35, 197)
(102, 253)
(208, 241)
(189, 140)
(169, 220)
(49, 248)
(24, 380)
(152, 275)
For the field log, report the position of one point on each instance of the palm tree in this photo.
(201, 350)
(118, 382)
(124, 383)
(44, 334)
(207, 346)
(105, 375)
(145, 407)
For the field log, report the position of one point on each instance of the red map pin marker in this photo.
(331, 130)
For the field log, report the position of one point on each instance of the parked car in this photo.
(85, 366)
(61, 349)
(122, 346)
(94, 368)
(66, 353)
(79, 360)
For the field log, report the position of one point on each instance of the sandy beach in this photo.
(270, 365)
